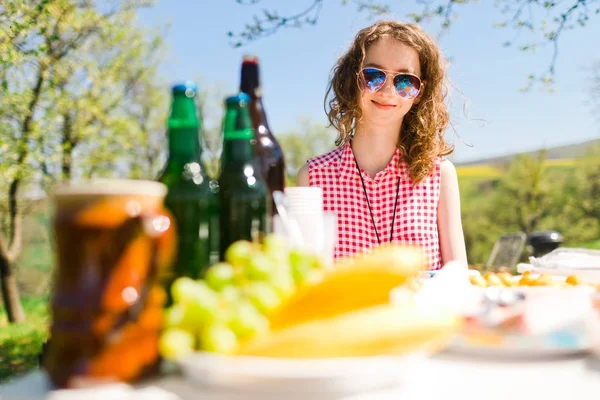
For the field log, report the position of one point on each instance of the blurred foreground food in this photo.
(528, 278)
(269, 301)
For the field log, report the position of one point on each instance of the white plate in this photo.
(557, 320)
(308, 376)
(559, 344)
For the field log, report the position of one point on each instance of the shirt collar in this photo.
(347, 165)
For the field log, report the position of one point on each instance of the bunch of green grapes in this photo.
(235, 298)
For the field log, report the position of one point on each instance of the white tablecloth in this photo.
(444, 376)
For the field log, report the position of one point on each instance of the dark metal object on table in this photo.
(543, 242)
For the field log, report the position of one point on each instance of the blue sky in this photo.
(295, 65)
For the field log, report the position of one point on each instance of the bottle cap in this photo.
(238, 98)
(188, 88)
(250, 59)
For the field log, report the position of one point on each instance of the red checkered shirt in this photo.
(343, 194)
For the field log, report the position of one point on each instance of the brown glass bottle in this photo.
(269, 156)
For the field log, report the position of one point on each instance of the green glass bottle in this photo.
(243, 194)
(192, 196)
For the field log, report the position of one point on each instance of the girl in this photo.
(387, 181)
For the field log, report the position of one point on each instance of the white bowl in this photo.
(304, 377)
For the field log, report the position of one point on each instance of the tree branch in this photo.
(17, 29)
(552, 37)
(15, 238)
(575, 11)
(64, 48)
(432, 9)
(56, 30)
(43, 164)
(271, 22)
(3, 246)
(28, 120)
(68, 144)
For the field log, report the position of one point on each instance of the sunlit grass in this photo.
(483, 171)
(20, 344)
(563, 162)
(594, 244)
(492, 172)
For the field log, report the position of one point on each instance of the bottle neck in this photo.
(183, 126)
(250, 79)
(184, 145)
(237, 151)
(250, 84)
(259, 117)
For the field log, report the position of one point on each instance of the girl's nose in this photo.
(388, 86)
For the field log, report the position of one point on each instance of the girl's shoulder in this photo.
(446, 168)
(328, 159)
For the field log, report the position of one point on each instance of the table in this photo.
(440, 377)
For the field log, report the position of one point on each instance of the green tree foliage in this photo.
(78, 87)
(480, 233)
(532, 196)
(523, 197)
(586, 191)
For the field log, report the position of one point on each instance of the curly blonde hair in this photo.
(421, 137)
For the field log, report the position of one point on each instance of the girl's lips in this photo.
(383, 106)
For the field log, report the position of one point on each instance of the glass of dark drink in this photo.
(114, 245)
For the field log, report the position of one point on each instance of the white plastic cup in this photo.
(304, 199)
(319, 233)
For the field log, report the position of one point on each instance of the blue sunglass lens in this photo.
(407, 86)
(374, 78)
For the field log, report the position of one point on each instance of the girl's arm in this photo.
(452, 240)
(302, 178)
